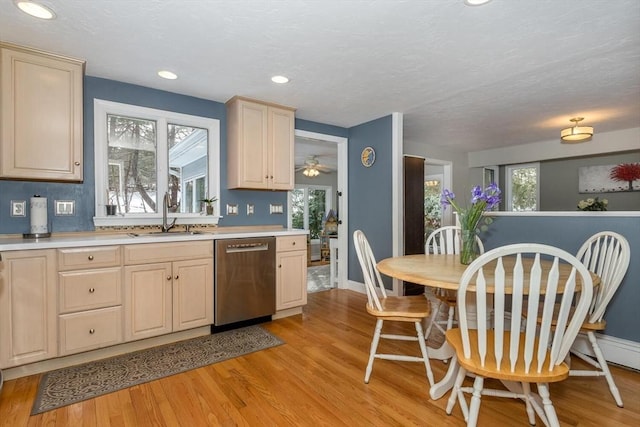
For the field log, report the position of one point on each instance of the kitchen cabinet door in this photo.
(147, 300)
(40, 115)
(28, 309)
(291, 271)
(192, 294)
(260, 145)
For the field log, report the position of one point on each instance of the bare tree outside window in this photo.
(132, 146)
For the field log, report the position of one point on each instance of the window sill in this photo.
(140, 220)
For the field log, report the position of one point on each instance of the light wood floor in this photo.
(315, 379)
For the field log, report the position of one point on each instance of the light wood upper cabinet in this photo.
(40, 115)
(260, 145)
(28, 330)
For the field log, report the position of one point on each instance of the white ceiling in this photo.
(469, 78)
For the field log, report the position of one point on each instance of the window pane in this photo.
(187, 161)
(524, 192)
(297, 209)
(132, 164)
(317, 209)
(432, 205)
(200, 193)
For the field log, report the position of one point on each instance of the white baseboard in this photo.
(616, 350)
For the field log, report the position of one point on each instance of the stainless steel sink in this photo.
(165, 234)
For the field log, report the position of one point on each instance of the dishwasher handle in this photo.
(246, 247)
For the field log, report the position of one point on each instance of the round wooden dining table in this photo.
(445, 271)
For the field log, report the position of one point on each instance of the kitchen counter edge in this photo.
(54, 242)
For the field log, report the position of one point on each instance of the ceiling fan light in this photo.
(574, 134)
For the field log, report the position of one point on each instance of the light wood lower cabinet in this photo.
(89, 298)
(28, 328)
(291, 271)
(164, 297)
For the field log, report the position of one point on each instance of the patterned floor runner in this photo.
(77, 383)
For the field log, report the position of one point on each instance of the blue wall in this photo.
(568, 233)
(370, 190)
(83, 193)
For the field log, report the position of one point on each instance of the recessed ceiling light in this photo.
(167, 75)
(476, 2)
(279, 79)
(35, 9)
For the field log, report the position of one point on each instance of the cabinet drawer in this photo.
(89, 289)
(88, 330)
(163, 252)
(291, 243)
(93, 257)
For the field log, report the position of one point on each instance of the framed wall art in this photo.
(609, 178)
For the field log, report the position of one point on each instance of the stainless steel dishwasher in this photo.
(245, 282)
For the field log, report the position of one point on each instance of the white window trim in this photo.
(508, 170)
(100, 110)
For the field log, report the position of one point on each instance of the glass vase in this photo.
(469, 250)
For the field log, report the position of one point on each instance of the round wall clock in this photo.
(368, 157)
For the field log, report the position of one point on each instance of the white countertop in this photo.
(101, 239)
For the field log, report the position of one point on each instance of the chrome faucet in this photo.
(165, 209)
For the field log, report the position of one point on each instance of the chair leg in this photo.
(452, 312)
(425, 355)
(455, 392)
(605, 368)
(549, 410)
(374, 348)
(474, 407)
(526, 389)
(434, 315)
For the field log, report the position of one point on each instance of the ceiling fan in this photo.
(312, 167)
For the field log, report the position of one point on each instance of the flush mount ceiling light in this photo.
(576, 133)
(280, 79)
(167, 75)
(476, 2)
(35, 9)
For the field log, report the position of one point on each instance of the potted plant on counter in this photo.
(209, 204)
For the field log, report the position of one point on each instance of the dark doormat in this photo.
(77, 383)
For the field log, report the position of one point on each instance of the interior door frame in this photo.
(343, 200)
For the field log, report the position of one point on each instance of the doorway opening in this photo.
(317, 197)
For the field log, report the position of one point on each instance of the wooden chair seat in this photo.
(511, 347)
(407, 308)
(414, 309)
(490, 369)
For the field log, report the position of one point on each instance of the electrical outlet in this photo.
(276, 209)
(250, 209)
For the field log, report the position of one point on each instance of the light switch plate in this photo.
(250, 209)
(232, 209)
(65, 207)
(18, 208)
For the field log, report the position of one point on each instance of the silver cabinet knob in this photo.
(177, 277)
(92, 290)
(76, 163)
(168, 277)
(92, 331)
(90, 257)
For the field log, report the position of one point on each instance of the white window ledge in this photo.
(568, 213)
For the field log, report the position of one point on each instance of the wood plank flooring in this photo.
(315, 379)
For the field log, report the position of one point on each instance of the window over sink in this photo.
(142, 153)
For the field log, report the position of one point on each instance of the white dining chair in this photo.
(444, 240)
(516, 348)
(412, 309)
(606, 254)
